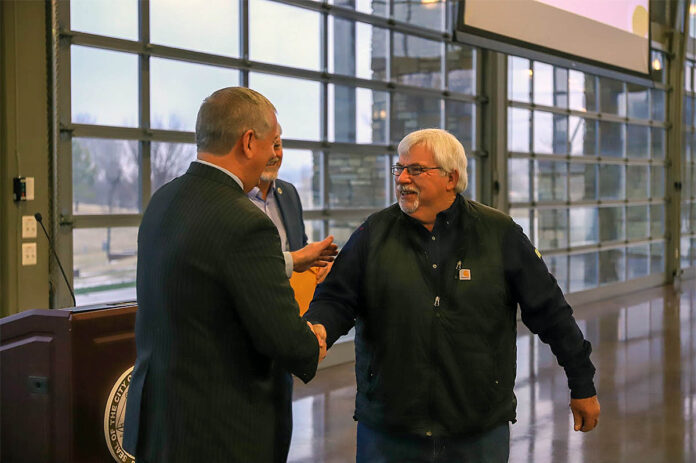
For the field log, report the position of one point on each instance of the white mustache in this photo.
(273, 162)
(407, 189)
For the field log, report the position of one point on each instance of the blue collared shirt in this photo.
(271, 208)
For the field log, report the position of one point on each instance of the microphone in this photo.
(37, 216)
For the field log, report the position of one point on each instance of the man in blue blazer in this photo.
(279, 200)
(215, 309)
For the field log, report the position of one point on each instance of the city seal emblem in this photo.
(114, 416)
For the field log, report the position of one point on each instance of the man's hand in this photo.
(320, 332)
(322, 272)
(314, 255)
(585, 413)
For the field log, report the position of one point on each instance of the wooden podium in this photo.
(58, 370)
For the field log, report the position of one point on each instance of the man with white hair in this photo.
(432, 285)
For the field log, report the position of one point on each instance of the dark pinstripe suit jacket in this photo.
(214, 310)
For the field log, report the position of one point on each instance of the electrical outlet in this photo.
(28, 226)
(28, 253)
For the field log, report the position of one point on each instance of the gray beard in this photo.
(269, 177)
(409, 209)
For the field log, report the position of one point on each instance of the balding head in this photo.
(229, 112)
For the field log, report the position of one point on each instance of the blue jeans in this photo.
(375, 446)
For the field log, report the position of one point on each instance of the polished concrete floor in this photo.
(644, 350)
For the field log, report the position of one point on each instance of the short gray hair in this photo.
(226, 114)
(447, 151)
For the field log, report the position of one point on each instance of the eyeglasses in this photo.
(412, 169)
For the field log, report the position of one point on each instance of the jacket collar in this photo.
(211, 173)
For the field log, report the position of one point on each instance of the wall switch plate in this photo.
(28, 253)
(28, 226)
(30, 188)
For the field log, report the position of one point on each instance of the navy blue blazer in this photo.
(291, 211)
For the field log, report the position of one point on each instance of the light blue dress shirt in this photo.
(271, 208)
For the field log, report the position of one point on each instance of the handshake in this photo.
(320, 332)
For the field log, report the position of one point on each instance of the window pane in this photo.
(105, 17)
(342, 229)
(521, 218)
(105, 176)
(685, 252)
(209, 26)
(558, 267)
(582, 91)
(582, 136)
(583, 225)
(413, 113)
(271, 24)
(583, 182)
(638, 101)
(657, 255)
(104, 262)
(416, 61)
(657, 141)
(357, 49)
(560, 84)
(470, 192)
(637, 186)
(357, 115)
(314, 229)
(658, 105)
(657, 182)
(543, 83)
(638, 261)
(657, 221)
(518, 129)
(611, 181)
(460, 122)
(301, 168)
(551, 229)
(686, 145)
(178, 88)
(423, 14)
(104, 87)
(637, 144)
(288, 94)
(364, 6)
(611, 139)
(550, 133)
(461, 69)
(688, 111)
(583, 271)
(518, 180)
(612, 98)
(168, 161)
(519, 79)
(685, 220)
(611, 223)
(550, 181)
(637, 224)
(612, 266)
(357, 181)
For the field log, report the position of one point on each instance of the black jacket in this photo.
(435, 318)
(215, 308)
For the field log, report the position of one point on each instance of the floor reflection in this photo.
(644, 351)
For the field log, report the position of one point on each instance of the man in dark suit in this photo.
(215, 306)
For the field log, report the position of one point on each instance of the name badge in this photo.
(465, 274)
